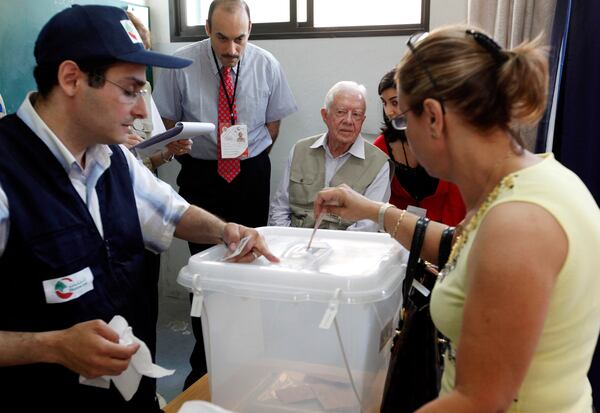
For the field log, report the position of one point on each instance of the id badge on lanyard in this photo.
(234, 141)
(233, 137)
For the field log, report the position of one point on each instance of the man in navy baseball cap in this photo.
(77, 213)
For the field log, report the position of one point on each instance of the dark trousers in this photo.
(244, 201)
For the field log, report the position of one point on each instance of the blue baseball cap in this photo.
(96, 32)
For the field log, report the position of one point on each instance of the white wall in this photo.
(312, 67)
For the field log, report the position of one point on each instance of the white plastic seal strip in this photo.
(348, 370)
(330, 318)
(198, 299)
(140, 365)
(332, 310)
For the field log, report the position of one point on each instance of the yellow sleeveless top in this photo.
(556, 381)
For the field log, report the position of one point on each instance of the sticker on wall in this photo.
(2, 108)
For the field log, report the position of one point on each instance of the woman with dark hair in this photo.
(412, 185)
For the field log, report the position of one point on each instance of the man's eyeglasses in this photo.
(412, 44)
(399, 122)
(128, 96)
(343, 113)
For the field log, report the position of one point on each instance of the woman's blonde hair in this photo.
(488, 86)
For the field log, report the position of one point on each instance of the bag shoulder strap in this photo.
(445, 246)
(415, 252)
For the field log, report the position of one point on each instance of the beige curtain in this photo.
(511, 22)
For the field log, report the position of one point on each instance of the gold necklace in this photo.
(463, 237)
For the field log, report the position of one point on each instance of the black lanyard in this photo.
(231, 102)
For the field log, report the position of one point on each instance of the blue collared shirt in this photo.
(159, 207)
(192, 94)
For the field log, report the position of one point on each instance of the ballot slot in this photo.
(298, 256)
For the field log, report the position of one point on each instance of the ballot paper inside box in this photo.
(310, 334)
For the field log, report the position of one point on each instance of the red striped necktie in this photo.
(227, 168)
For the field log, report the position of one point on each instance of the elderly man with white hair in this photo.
(340, 155)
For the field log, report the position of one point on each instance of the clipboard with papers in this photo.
(181, 130)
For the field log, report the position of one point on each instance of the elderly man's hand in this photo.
(254, 248)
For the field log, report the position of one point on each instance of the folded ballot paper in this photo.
(140, 365)
(181, 130)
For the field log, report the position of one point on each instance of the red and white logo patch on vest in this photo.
(63, 289)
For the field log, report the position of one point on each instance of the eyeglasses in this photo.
(412, 44)
(399, 122)
(128, 96)
(343, 113)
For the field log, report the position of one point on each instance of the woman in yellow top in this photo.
(520, 295)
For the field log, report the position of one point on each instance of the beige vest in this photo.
(307, 177)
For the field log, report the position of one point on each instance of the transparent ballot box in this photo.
(309, 334)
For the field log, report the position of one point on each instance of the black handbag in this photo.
(414, 373)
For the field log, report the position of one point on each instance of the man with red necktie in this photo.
(242, 89)
(228, 168)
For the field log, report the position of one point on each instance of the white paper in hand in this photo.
(140, 365)
(231, 255)
(181, 130)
